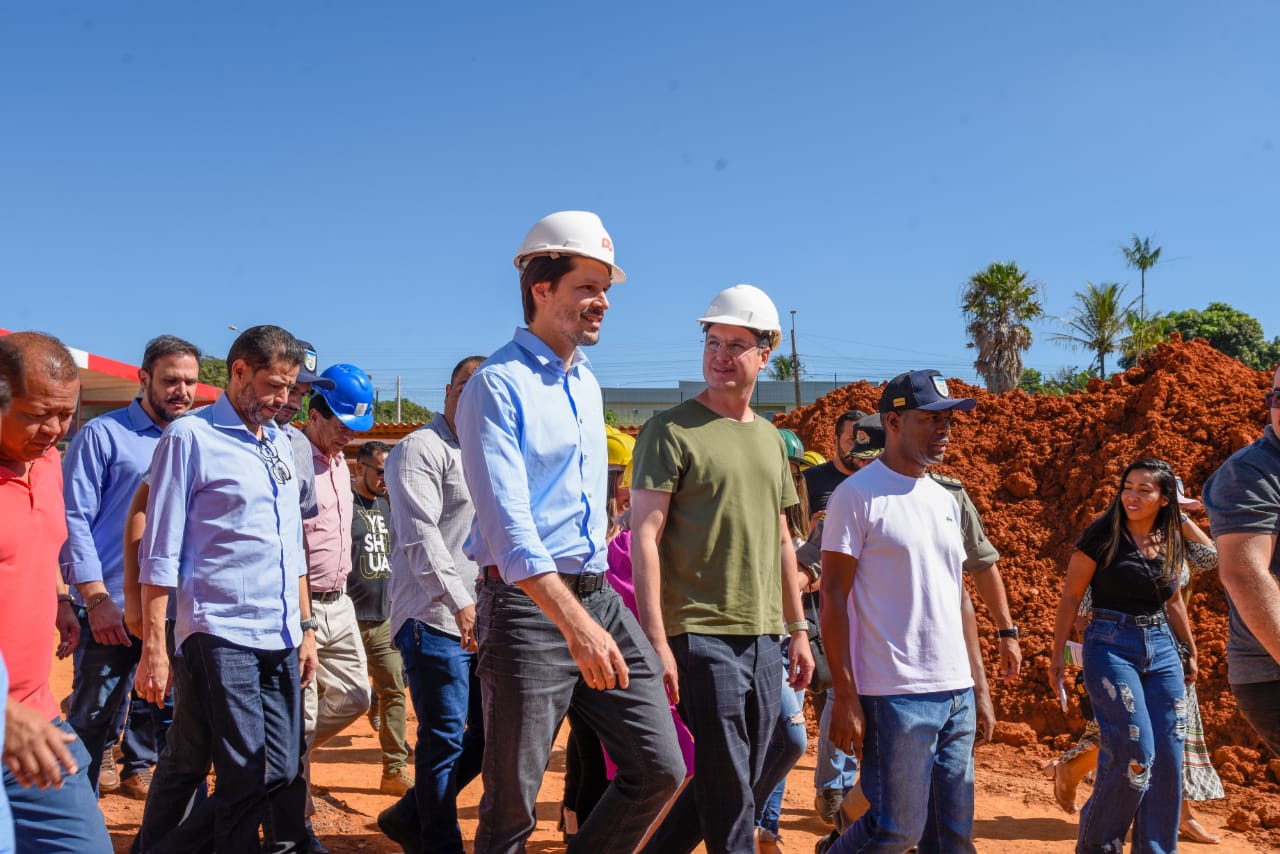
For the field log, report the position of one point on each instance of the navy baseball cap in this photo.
(926, 390)
(868, 438)
(310, 361)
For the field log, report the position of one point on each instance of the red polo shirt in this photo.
(33, 526)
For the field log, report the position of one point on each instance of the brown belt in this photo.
(326, 597)
(581, 584)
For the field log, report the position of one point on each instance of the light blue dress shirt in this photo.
(535, 462)
(100, 474)
(224, 531)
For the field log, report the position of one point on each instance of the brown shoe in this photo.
(109, 773)
(396, 783)
(136, 785)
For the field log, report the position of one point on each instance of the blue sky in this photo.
(363, 173)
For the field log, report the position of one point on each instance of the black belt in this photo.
(327, 597)
(581, 584)
(1142, 621)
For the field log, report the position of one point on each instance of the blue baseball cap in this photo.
(310, 361)
(925, 390)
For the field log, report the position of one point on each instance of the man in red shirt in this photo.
(46, 767)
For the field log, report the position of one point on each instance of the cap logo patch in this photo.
(940, 385)
(899, 401)
(606, 243)
(309, 360)
(862, 438)
(361, 409)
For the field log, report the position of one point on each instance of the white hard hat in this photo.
(744, 305)
(570, 233)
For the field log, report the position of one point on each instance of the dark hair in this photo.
(541, 268)
(319, 404)
(6, 396)
(369, 451)
(24, 352)
(854, 415)
(798, 514)
(1167, 528)
(262, 346)
(167, 345)
(457, 369)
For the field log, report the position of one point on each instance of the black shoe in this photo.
(825, 843)
(314, 846)
(395, 825)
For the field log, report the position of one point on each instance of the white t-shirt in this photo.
(905, 630)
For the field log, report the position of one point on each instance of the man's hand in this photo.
(986, 717)
(68, 625)
(133, 616)
(466, 620)
(106, 621)
(308, 659)
(597, 655)
(1010, 659)
(670, 673)
(848, 724)
(154, 678)
(799, 661)
(35, 751)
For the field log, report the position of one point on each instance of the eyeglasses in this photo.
(735, 349)
(1272, 398)
(378, 472)
(279, 470)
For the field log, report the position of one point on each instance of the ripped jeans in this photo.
(1134, 679)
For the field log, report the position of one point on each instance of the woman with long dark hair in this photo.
(1129, 559)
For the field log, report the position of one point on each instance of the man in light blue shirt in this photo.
(101, 471)
(224, 534)
(551, 630)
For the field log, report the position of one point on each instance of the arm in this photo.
(66, 621)
(159, 556)
(135, 522)
(986, 713)
(1080, 572)
(799, 655)
(1244, 561)
(593, 649)
(35, 751)
(154, 677)
(848, 723)
(1176, 610)
(990, 587)
(648, 516)
(308, 656)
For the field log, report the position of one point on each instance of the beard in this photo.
(159, 405)
(253, 410)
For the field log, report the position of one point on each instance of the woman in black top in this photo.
(1129, 558)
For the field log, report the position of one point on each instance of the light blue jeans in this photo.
(1134, 679)
(916, 745)
(834, 768)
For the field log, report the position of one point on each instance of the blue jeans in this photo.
(1135, 684)
(59, 821)
(101, 690)
(529, 680)
(446, 698)
(785, 749)
(917, 774)
(253, 701)
(730, 696)
(834, 768)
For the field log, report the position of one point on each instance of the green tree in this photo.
(784, 368)
(410, 413)
(213, 371)
(1232, 332)
(610, 417)
(1097, 323)
(1139, 255)
(1063, 381)
(1143, 336)
(998, 303)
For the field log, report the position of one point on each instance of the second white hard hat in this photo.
(744, 305)
(570, 233)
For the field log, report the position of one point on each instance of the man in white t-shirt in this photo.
(901, 633)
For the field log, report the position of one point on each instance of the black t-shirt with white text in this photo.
(370, 558)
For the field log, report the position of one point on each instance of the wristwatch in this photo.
(1008, 633)
(311, 625)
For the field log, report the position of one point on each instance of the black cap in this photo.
(868, 438)
(310, 361)
(925, 390)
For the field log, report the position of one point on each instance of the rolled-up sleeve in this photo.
(489, 419)
(84, 473)
(160, 552)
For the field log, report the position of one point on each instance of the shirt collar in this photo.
(224, 416)
(139, 420)
(441, 426)
(544, 355)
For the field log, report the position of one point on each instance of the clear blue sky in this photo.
(362, 173)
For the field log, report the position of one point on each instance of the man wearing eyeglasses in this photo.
(224, 536)
(1243, 500)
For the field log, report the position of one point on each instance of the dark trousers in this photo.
(1259, 703)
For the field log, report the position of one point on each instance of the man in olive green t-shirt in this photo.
(715, 573)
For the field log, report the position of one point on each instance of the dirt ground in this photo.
(1015, 808)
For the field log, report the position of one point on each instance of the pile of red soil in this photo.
(1040, 467)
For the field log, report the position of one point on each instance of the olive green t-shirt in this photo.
(721, 549)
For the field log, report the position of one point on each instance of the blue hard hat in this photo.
(351, 397)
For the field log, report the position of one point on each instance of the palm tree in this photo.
(1143, 336)
(783, 369)
(998, 302)
(1139, 255)
(1097, 323)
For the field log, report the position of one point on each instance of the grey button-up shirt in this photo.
(431, 513)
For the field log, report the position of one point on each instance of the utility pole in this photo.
(398, 419)
(795, 362)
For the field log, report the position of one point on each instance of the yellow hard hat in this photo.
(814, 458)
(620, 446)
(625, 480)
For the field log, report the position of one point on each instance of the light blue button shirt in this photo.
(224, 531)
(535, 462)
(100, 474)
